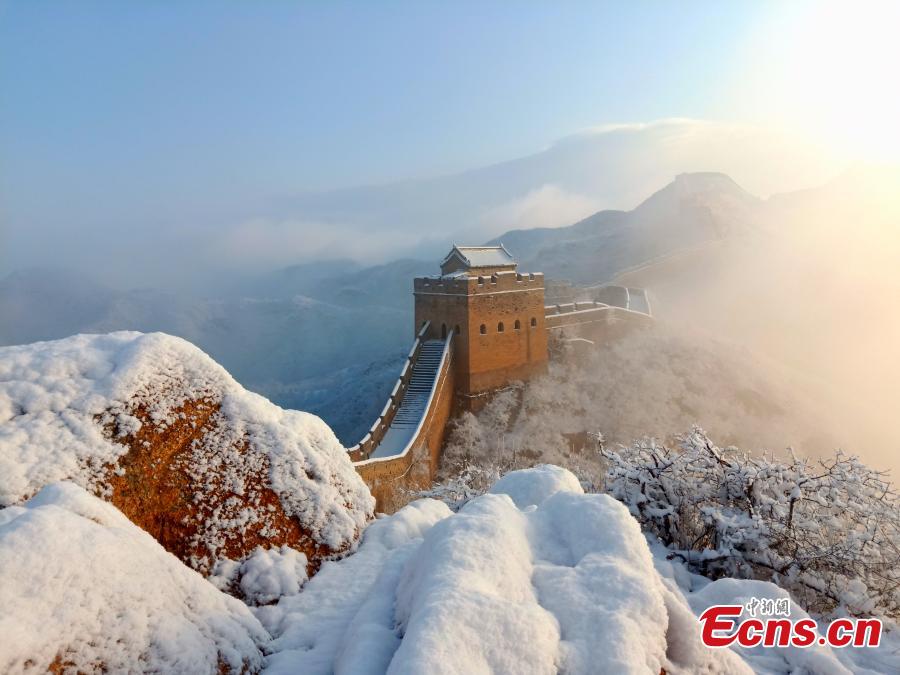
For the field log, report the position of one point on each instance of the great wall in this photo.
(480, 325)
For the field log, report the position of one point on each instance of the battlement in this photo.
(473, 285)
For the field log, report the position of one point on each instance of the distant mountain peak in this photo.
(710, 188)
(707, 180)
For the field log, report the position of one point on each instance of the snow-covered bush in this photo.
(513, 431)
(827, 530)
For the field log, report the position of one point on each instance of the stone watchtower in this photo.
(496, 315)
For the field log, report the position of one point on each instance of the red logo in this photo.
(721, 627)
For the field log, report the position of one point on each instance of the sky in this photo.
(151, 117)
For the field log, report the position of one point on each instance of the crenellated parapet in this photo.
(474, 285)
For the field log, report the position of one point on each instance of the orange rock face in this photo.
(151, 424)
(159, 489)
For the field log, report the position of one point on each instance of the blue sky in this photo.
(143, 116)
(279, 95)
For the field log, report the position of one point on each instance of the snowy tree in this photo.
(827, 530)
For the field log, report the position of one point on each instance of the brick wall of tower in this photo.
(496, 358)
(489, 360)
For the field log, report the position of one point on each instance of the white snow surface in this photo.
(566, 583)
(534, 577)
(57, 397)
(82, 583)
(818, 659)
(527, 488)
(264, 576)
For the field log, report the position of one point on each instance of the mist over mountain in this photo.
(693, 209)
(609, 167)
(765, 275)
(303, 352)
(205, 248)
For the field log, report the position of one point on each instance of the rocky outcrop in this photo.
(153, 425)
(84, 590)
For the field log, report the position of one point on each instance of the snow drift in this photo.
(85, 590)
(562, 582)
(152, 424)
(534, 577)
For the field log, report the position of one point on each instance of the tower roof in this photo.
(481, 256)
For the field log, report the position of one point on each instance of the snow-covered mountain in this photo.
(693, 209)
(118, 450)
(304, 335)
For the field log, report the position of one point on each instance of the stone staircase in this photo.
(415, 400)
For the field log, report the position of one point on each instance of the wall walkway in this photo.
(402, 450)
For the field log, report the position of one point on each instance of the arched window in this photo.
(483, 329)
(481, 281)
(500, 327)
(443, 331)
(518, 325)
(533, 322)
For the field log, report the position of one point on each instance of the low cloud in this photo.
(262, 244)
(547, 206)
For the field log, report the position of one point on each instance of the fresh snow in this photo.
(816, 658)
(534, 577)
(85, 587)
(415, 401)
(565, 582)
(265, 576)
(57, 398)
(352, 597)
(527, 488)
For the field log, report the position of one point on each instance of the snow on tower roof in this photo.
(481, 256)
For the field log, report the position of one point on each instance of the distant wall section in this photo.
(593, 321)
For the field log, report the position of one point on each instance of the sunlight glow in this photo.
(832, 68)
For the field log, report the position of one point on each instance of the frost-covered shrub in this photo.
(827, 530)
(512, 432)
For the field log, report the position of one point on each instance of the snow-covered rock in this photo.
(152, 424)
(342, 619)
(85, 590)
(565, 582)
(526, 488)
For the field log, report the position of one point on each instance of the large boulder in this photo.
(84, 590)
(153, 425)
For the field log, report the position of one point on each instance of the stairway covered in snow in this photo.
(415, 401)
